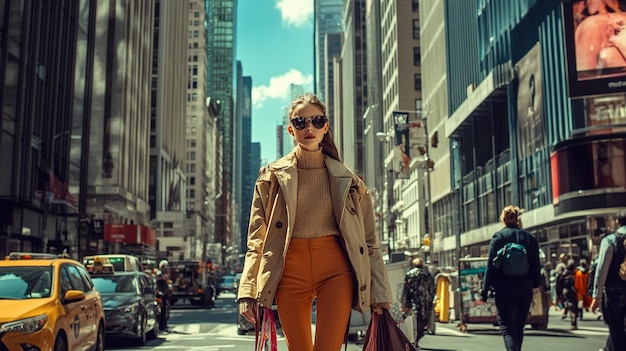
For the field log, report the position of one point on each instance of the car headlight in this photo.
(25, 326)
(130, 309)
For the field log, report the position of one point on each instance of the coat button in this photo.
(361, 250)
(363, 287)
(352, 210)
(279, 224)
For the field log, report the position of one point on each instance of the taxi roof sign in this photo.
(30, 256)
(100, 265)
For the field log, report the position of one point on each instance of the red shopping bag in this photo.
(383, 334)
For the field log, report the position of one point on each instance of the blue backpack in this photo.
(512, 259)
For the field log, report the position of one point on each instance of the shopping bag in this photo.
(383, 334)
(407, 326)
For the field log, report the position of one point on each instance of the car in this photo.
(49, 303)
(226, 284)
(129, 303)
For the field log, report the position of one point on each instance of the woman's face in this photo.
(310, 137)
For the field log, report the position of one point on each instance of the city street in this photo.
(193, 328)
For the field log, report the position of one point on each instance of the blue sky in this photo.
(275, 47)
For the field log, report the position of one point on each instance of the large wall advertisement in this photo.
(596, 46)
(530, 103)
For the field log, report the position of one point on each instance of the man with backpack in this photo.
(513, 270)
(609, 291)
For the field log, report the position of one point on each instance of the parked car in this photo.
(49, 303)
(130, 305)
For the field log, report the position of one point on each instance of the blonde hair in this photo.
(328, 144)
(417, 262)
(510, 214)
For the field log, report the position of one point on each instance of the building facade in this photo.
(525, 129)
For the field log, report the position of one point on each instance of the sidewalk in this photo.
(591, 324)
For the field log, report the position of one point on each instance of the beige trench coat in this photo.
(268, 242)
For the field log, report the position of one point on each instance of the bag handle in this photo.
(267, 326)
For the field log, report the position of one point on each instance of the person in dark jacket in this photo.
(513, 293)
(609, 289)
(418, 295)
(569, 293)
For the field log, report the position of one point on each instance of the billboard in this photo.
(595, 43)
(530, 119)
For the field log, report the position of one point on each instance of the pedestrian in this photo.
(559, 272)
(609, 289)
(581, 280)
(569, 294)
(417, 296)
(312, 235)
(513, 293)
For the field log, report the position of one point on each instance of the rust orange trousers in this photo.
(315, 268)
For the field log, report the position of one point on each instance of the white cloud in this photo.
(296, 12)
(278, 87)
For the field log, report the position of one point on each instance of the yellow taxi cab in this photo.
(48, 303)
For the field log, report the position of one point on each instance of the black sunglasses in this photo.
(300, 122)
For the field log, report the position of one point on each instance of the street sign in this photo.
(97, 229)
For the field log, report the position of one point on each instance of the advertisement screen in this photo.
(595, 46)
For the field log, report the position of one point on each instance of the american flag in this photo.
(60, 190)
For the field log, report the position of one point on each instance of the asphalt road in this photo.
(193, 328)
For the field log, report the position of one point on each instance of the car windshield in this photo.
(116, 283)
(227, 280)
(31, 282)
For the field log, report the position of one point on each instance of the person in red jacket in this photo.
(580, 282)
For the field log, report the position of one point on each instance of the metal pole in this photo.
(431, 224)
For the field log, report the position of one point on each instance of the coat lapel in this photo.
(340, 180)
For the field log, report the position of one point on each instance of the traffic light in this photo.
(430, 164)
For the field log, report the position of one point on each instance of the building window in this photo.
(195, 33)
(196, 14)
(415, 5)
(418, 82)
(418, 104)
(192, 180)
(192, 193)
(416, 29)
(417, 56)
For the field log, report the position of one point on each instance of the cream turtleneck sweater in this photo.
(314, 209)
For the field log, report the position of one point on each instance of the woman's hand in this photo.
(247, 308)
(595, 306)
(379, 306)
